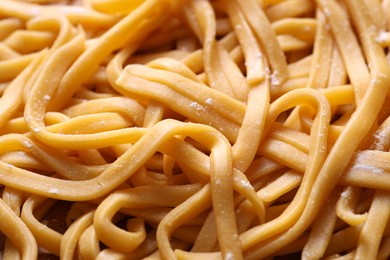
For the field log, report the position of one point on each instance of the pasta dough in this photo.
(194, 129)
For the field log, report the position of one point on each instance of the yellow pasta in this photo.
(194, 129)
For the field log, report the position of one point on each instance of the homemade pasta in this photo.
(194, 129)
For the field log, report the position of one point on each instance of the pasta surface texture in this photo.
(195, 129)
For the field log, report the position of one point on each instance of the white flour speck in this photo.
(209, 101)
(229, 256)
(275, 78)
(246, 184)
(381, 37)
(27, 144)
(46, 97)
(344, 194)
(367, 167)
(36, 129)
(53, 191)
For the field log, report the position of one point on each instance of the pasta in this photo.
(194, 129)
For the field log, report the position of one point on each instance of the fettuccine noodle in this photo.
(195, 129)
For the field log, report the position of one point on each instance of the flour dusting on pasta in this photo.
(194, 129)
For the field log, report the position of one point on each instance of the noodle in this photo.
(194, 129)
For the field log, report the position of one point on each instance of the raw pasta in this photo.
(194, 129)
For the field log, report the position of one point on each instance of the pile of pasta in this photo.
(194, 129)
